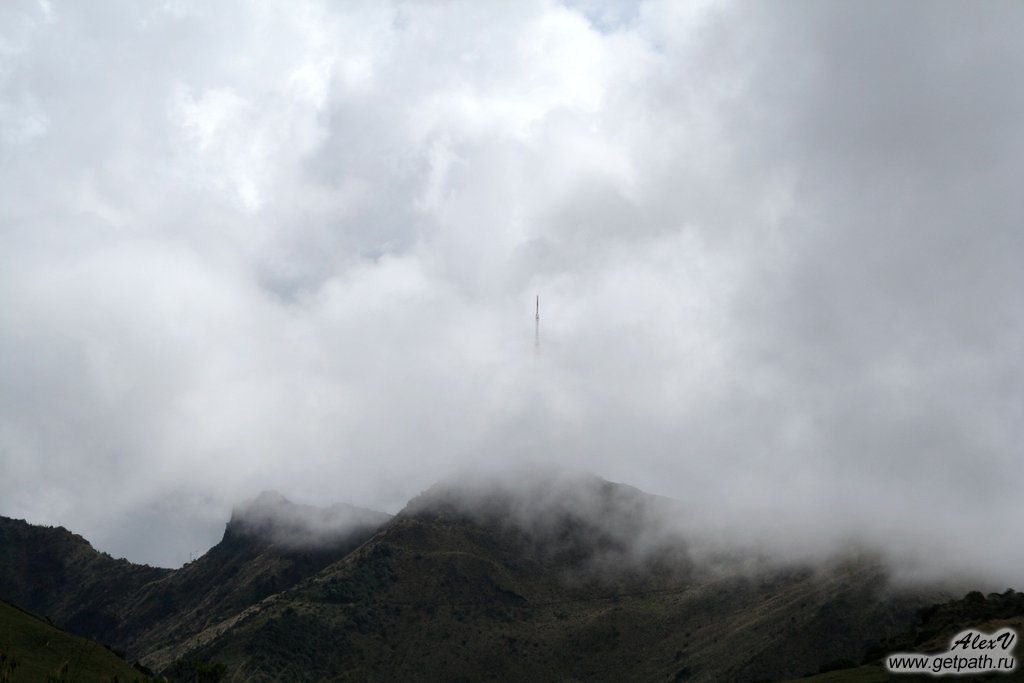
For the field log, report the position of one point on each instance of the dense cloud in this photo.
(296, 245)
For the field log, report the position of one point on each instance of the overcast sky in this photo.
(295, 246)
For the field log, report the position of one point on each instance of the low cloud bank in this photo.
(296, 247)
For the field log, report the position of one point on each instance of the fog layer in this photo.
(295, 246)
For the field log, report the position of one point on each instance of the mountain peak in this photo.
(531, 497)
(272, 517)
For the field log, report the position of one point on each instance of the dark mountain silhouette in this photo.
(546, 577)
(269, 544)
(53, 572)
(932, 632)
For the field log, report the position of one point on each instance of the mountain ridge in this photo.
(568, 577)
(59, 575)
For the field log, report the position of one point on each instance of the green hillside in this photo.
(267, 548)
(462, 587)
(40, 650)
(566, 579)
(269, 544)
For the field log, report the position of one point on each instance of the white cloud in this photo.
(295, 246)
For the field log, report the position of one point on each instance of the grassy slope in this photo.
(41, 649)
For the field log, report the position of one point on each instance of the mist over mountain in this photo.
(296, 247)
(556, 575)
(270, 517)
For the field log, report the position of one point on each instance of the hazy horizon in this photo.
(295, 247)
